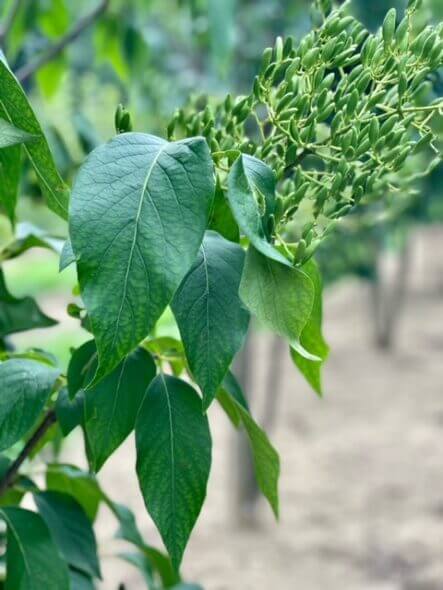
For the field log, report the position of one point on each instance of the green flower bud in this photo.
(389, 125)
(388, 28)
(402, 32)
(278, 49)
(327, 82)
(266, 59)
(325, 113)
(337, 183)
(374, 130)
(311, 58)
(352, 102)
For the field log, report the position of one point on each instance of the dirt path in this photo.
(362, 470)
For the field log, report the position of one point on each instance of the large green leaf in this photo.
(33, 561)
(19, 113)
(251, 194)
(139, 209)
(82, 486)
(25, 386)
(10, 135)
(210, 315)
(311, 337)
(279, 296)
(265, 457)
(17, 315)
(112, 405)
(173, 459)
(70, 529)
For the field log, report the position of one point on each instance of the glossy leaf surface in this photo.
(279, 296)
(33, 561)
(210, 315)
(251, 194)
(139, 209)
(173, 459)
(25, 386)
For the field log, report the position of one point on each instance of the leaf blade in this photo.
(112, 405)
(70, 529)
(33, 560)
(207, 303)
(173, 465)
(279, 296)
(249, 181)
(23, 384)
(265, 458)
(129, 266)
(311, 337)
(19, 113)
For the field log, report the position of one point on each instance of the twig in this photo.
(10, 476)
(9, 21)
(52, 52)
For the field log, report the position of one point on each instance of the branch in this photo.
(10, 476)
(52, 52)
(9, 21)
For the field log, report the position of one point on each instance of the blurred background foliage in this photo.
(152, 56)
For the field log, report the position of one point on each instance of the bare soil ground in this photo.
(362, 470)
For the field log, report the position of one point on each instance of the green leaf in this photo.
(10, 167)
(32, 559)
(143, 564)
(210, 315)
(222, 219)
(279, 296)
(71, 530)
(231, 388)
(13, 496)
(70, 412)
(140, 206)
(111, 406)
(311, 337)
(10, 135)
(265, 457)
(128, 531)
(82, 486)
(29, 236)
(25, 387)
(82, 365)
(67, 256)
(251, 194)
(79, 581)
(173, 459)
(18, 315)
(20, 114)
